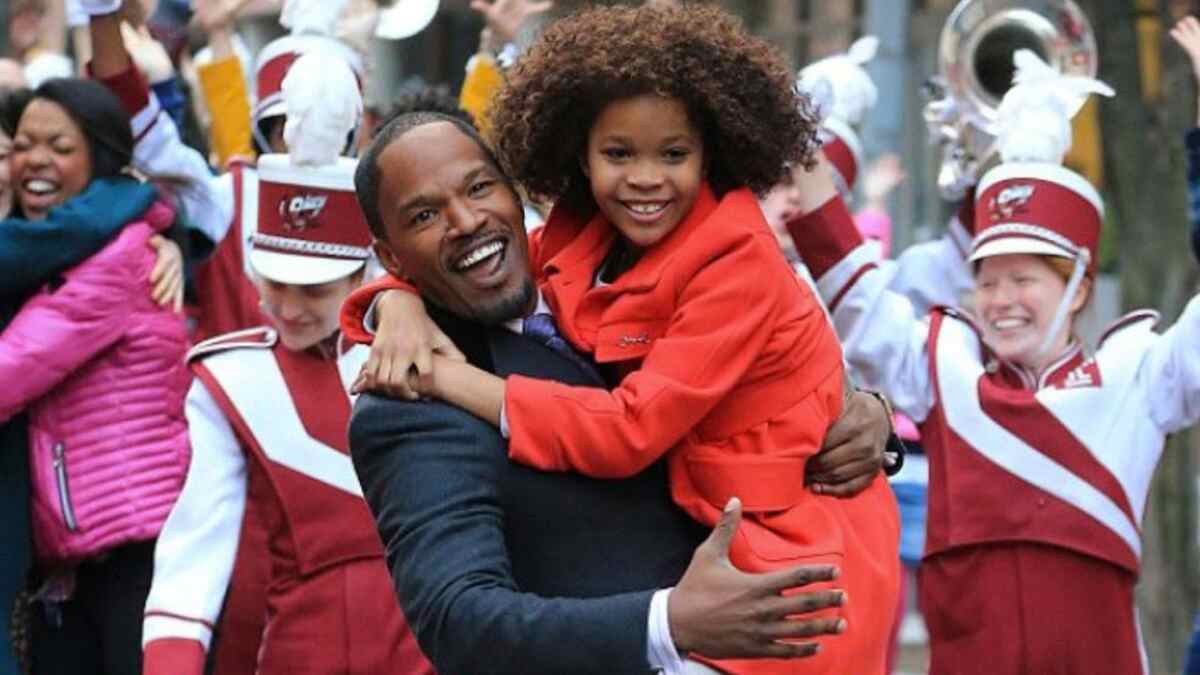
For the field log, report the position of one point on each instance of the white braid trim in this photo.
(317, 248)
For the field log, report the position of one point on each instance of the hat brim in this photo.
(301, 270)
(1018, 245)
(405, 19)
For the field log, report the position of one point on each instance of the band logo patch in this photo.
(1011, 201)
(301, 212)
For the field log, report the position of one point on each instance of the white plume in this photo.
(316, 17)
(323, 106)
(854, 93)
(1035, 116)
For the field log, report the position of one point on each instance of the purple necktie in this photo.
(541, 327)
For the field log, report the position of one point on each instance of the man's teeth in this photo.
(479, 255)
(647, 209)
(38, 186)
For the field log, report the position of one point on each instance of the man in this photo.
(478, 545)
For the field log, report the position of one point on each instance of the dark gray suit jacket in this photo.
(502, 569)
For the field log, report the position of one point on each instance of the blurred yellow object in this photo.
(1087, 149)
(224, 89)
(480, 86)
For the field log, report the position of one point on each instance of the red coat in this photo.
(734, 370)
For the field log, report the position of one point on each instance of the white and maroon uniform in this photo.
(1037, 481)
(269, 428)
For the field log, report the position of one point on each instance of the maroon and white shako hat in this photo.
(1037, 208)
(843, 149)
(311, 229)
(274, 63)
(1031, 203)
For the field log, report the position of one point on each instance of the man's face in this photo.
(454, 225)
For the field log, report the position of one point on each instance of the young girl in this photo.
(1041, 454)
(651, 129)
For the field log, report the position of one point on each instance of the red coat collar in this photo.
(575, 247)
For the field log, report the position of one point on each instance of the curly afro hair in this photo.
(736, 87)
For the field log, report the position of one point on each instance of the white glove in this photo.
(76, 16)
(99, 7)
(318, 17)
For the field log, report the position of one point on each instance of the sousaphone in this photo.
(975, 70)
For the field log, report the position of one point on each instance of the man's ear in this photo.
(583, 166)
(387, 258)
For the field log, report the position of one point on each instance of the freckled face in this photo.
(1016, 296)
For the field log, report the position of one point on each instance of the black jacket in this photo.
(503, 569)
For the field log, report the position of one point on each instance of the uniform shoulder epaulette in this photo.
(956, 313)
(261, 337)
(1134, 318)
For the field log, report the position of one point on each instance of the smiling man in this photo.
(500, 568)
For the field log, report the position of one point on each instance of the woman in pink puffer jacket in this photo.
(98, 367)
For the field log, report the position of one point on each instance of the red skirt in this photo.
(1018, 608)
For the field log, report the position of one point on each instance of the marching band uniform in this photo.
(1034, 477)
(268, 432)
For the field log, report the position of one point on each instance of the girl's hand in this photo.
(166, 279)
(405, 339)
(1187, 35)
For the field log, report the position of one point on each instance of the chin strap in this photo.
(1082, 259)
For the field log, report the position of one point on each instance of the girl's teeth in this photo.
(646, 209)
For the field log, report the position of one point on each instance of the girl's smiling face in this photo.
(645, 164)
(1016, 297)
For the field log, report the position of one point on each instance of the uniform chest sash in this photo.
(972, 405)
(275, 421)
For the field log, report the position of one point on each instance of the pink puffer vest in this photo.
(100, 368)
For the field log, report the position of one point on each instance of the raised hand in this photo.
(505, 17)
(1186, 34)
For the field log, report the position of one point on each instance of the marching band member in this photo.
(1041, 453)
(268, 413)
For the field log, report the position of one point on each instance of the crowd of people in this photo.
(588, 368)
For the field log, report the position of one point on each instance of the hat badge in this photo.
(1010, 201)
(300, 212)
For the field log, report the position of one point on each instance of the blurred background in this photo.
(1131, 147)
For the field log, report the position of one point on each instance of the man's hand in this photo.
(406, 338)
(721, 612)
(852, 454)
(505, 17)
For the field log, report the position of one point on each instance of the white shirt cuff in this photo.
(371, 317)
(660, 648)
(504, 419)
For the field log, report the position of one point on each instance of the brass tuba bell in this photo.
(975, 70)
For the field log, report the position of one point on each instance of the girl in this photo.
(1040, 453)
(97, 367)
(651, 129)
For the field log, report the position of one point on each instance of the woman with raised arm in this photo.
(1041, 451)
